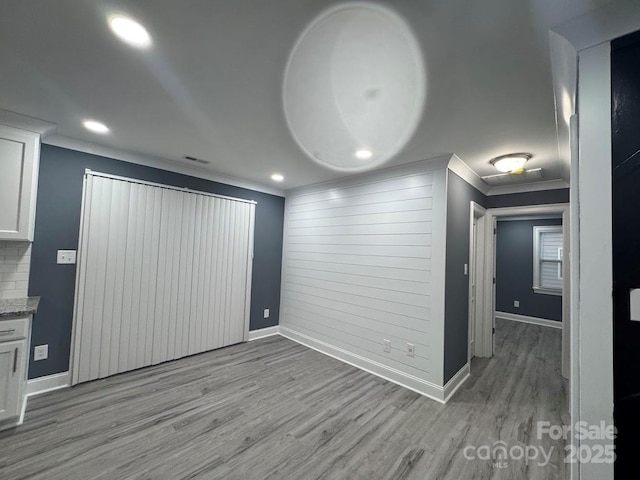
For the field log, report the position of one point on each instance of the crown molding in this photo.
(24, 122)
(465, 172)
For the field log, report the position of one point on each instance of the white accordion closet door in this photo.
(162, 273)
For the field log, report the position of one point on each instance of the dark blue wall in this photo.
(514, 271)
(541, 197)
(460, 194)
(58, 224)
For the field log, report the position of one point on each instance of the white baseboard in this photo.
(526, 319)
(418, 385)
(456, 381)
(37, 386)
(263, 332)
(50, 383)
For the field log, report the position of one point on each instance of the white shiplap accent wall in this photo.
(364, 262)
(15, 262)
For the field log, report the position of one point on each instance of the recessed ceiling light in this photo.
(364, 154)
(129, 31)
(95, 127)
(513, 162)
(277, 177)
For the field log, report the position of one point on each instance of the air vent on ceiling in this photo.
(533, 175)
(196, 160)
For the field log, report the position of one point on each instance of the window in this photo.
(547, 260)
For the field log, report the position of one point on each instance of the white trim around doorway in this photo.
(487, 320)
(478, 214)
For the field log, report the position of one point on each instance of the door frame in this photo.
(487, 320)
(476, 269)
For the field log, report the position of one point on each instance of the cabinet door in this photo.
(11, 377)
(19, 160)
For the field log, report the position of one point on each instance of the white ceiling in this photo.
(211, 85)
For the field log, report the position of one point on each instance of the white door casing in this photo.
(488, 320)
(476, 269)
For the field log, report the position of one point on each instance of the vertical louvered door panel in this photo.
(162, 273)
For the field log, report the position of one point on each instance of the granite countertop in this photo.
(12, 307)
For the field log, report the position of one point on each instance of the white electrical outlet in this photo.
(411, 349)
(40, 352)
(266, 313)
(516, 303)
(66, 257)
(387, 345)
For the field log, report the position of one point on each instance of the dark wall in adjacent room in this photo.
(514, 271)
(541, 197)
(57, 227)
(460, 194)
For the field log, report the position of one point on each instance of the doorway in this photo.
(483, 275)
(476, 267)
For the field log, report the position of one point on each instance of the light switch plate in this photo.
(66, 257)
(40, 352)
(635, 304)
(266, 313)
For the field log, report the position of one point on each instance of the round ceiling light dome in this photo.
(354, 87)
(512, 162)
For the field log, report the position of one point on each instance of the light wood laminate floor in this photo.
(272, 409)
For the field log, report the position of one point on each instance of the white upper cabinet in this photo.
(19, 161)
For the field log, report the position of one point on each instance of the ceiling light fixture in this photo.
(95, 127)
(364, 154)
(511, 163)
(277, 177)
(129, 31)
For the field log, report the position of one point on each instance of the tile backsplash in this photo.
(15, 262)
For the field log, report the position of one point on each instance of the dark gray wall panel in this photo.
(460, 194)
(625, 109)
(58, 224)
(542, 197)
(514, 271)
